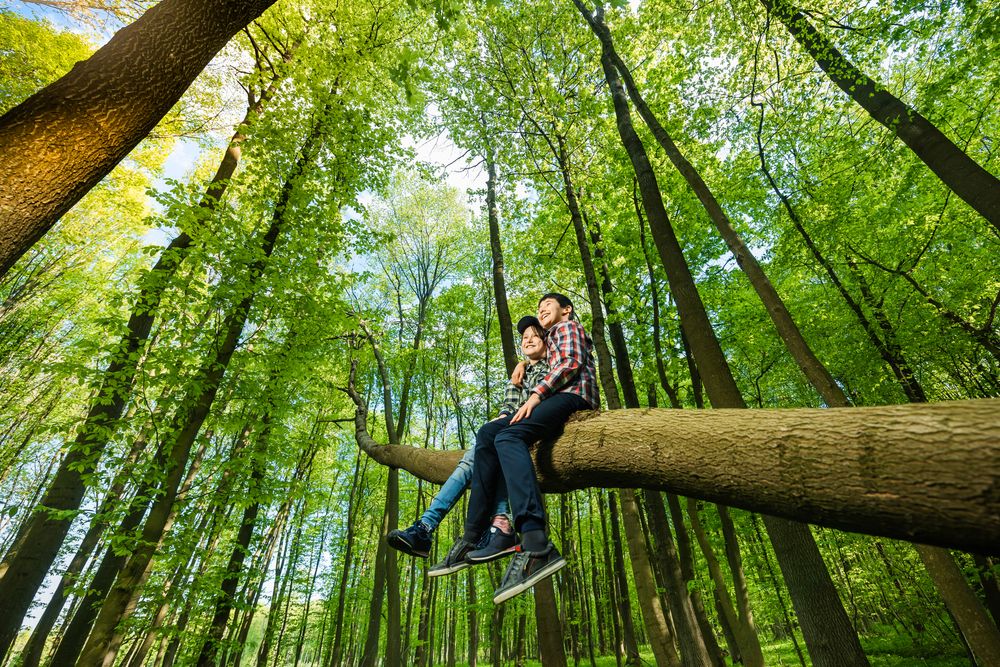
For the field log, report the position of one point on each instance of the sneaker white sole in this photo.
(514, 591)
(457, 567)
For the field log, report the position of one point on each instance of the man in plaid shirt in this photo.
(503, 450)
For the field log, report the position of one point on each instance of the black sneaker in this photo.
(526, 570)
(415, 540)
(496, 544)
(454, 561)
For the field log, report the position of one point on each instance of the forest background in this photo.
(176, 350)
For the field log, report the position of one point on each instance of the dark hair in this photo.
(562, 300)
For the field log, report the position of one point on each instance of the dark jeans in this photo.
(502, 457)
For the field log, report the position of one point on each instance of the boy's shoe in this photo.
(526, 570)
(454, 561)
(415, 540)
(496, 544)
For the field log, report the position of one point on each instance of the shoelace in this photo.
(517, 564)
(456, 549)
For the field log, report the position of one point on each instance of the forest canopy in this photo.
(259, 268)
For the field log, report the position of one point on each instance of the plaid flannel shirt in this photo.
(572, 361)
(515, 396)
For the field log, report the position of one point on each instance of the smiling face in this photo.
(551, 313)
(532, 344)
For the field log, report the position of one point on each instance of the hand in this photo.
(517, 377)
(525, 410)
(496, 419)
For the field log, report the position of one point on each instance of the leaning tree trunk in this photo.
(23, 568)
(981, 636)
(693, 650)
(789, 332)
(102, 645)
(724, 393)
(64, 139)
(966, 178)
(917, 472)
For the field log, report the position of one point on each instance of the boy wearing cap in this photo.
(416, 540)
(503, 455)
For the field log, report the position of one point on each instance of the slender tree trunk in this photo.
(695, 648)
(336, 653)
(68, 650)
(966, 178)
(102, 645)
(686, 561)
(31, 653)
(789, 332)
(746, 628)
(746, 641)
(53, 150)
(795, 540)
(777, 592)
(660, 637)
(624, 600)
(499, 286)
(23, 568)
(610, 575)
(605, 369)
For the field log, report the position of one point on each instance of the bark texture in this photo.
(65, 138)
(924, 473)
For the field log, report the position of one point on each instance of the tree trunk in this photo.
(829, 635)
(23, 569)
(64, 139)
(686, 560)
(745, 637)
(336, 657)
(719, 382)
(550, 641)
(693, 645)
(748, 628)
(510, 354)
(370, 655)
(75, 636)
(101, 647)
(789, 332)
(966, 178)
(605, 369)
(660, 637)
(624, 599)
(31, 653)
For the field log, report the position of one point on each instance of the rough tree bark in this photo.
(927, 473)
(65, 138)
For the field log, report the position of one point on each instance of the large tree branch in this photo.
(925, 473)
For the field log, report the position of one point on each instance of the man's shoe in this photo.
(496, 545)
(526, 570)
(415, 540)
(454, 561)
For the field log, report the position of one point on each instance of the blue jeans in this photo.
(452, 489)
(503, 463)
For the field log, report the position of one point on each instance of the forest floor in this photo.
(881, 653)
